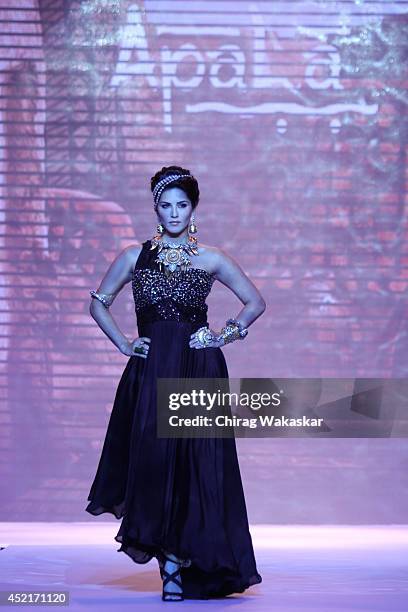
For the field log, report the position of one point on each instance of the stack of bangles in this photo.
(233, 330)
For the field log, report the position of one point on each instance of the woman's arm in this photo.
(118, 274)
(230, 274)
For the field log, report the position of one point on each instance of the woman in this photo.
(181, 499)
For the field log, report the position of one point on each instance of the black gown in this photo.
(181, 495)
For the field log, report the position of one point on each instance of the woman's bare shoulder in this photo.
(134, 251)
(135, 248)
(211, 253)
(129, 255)
(209, 257)
(207, 249)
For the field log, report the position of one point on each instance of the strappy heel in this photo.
(173, 577)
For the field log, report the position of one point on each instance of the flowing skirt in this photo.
(180, 495)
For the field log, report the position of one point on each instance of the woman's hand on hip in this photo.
(205, 338)
(137, 348)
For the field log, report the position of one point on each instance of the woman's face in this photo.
(174, 210)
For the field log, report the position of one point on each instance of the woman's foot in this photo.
(170, 573)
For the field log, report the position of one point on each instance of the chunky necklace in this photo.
(173, 255)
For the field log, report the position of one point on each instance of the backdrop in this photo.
(292, 115)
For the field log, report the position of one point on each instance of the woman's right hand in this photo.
(141, 343)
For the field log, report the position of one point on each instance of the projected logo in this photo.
(255, 66)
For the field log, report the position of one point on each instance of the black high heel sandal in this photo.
(173, 577)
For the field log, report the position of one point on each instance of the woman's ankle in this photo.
(172, 557)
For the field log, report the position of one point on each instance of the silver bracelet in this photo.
(243, 331)
(232, 330)
(105, 298)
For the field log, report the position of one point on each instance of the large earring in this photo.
(192, 228)
(156, 238)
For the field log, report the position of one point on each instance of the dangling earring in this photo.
(156, 238)
(192, 228)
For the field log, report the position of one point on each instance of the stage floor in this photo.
(313, 568)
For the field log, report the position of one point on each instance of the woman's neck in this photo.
(179, 239)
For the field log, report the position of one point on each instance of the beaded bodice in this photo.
(179, 297)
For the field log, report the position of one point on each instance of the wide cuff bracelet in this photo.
(233, 331)
(243, 331)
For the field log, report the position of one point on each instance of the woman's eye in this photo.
(181, 205)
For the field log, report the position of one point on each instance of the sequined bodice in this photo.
(179, 297)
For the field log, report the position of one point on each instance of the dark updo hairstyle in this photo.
(187, 184)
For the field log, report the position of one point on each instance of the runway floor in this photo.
(313, 568)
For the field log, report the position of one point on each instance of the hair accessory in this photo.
(159, 188)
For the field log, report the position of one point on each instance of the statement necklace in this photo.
(174, 256)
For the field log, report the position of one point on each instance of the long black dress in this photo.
(182, 495)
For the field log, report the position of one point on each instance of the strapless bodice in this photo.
(178, 297)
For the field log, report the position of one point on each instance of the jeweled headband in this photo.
(158, 190)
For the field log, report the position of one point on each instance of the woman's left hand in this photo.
(212, 342)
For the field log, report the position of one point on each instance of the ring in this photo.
(204, 336)
(138, 349)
